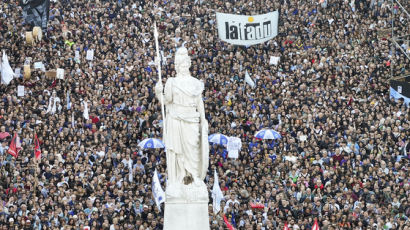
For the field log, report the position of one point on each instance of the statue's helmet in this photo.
(182, 60)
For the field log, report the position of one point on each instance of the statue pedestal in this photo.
(186, 216)
(186, 207)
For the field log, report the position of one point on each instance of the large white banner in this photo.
(247, 30)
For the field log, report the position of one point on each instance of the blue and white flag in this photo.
(157, 192)
(217, 194)
(68, 101)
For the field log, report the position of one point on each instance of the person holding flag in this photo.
(15, 146)
(286, 226)
(37, 150)
(217, 194)
(315, 225)
(228, 225)
(157, 191)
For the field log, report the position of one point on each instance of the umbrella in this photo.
(218, 138)
(151, 143)
(267, 134)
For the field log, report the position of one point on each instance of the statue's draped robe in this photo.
(186, 132)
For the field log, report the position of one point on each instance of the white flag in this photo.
(217, 194)
(7, 73)
(249, 80)
(72, 120)
(233, 147)
(130, 169)
(68, 101)
(85, 112)
(157, 192)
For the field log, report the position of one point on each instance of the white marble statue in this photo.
(186, 133)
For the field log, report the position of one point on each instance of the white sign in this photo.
(233, 154)
(90, 55)
(20, 91)
(60, 73)
(17, 71)
(77, 55)
(38, 65)
(274, 60)
(233, 147)
(399, 89)
(247, 30)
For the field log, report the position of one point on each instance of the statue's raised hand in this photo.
(159, 88)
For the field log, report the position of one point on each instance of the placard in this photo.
(27, 72)
(51, 74)
(77, 55)
(233, 146)
(20, 91)
(399, 89)
(90, 55)
(274, 60)
(17, 71)
(233, 154)
(29, 38)
(60, 73)
(37, 33)
(38, 65)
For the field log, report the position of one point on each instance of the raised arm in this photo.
(167, 92)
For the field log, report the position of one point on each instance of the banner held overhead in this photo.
(247, 30)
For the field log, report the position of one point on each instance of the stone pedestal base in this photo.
(186, 216)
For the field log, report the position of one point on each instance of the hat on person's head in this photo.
(11, 219)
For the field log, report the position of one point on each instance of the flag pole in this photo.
(158, 62)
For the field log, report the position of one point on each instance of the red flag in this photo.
(228, 225)
(15, 146)
(315, 225)
(37, 150)
(286, 226)
(350, 102)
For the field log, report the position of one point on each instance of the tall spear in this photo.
(158, 62)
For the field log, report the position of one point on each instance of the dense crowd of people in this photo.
(343, 158)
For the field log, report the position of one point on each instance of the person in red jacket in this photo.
(338, 156)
